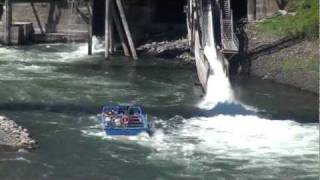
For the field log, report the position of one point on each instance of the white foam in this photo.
(218, 85)
(98, 132)
(16, 159)
(236, 137)
(224, 136)
(35, 68)
(97, 46)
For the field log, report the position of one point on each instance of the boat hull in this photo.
(126, 131)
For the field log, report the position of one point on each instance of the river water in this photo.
(266, 131)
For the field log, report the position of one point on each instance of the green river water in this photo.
(268, 131)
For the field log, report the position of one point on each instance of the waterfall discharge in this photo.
(218, 86)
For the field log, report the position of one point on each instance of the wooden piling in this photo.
(111, 37)
(107, 25)
(126, 29)
(90, 31)
(118, 26)
(8, 22)
(187, 12)
(192, 20)
(111, 31)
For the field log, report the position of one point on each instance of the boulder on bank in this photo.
(13, 137)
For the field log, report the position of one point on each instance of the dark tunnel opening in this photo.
(98, 23)
(170, 17)
(167, 17)
(239, 8)
(1, 11)
(170, 11)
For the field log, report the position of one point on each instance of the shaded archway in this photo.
(170, 11)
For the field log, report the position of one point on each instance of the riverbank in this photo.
(290, 61)
(13, 137)
(285, 48)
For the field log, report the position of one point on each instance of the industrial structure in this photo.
(129, 22)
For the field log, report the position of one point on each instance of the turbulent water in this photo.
(249, 129)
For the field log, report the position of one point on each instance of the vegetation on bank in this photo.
(302, 21)
(310, 64)
(290, 39)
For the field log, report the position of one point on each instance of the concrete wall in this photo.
(49, 16)
(259, 9)
(265, 8)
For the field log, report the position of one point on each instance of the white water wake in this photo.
(202, 144)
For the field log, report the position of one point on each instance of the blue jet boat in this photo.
(124, 120)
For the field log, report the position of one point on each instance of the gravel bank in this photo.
(13, 137)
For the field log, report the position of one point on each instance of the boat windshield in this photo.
(134, 111)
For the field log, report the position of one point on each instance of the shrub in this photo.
(305, 23)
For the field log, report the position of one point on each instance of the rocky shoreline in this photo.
(14, 137)
(290, 61)
(174, 50)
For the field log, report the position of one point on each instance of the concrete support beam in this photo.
(260, 9)
(8, 22)
(251, 5)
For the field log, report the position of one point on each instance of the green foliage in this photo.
(293, 5)
(305, 23)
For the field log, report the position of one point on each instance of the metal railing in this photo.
(229, 39)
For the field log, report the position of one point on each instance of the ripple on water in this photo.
(21, 159)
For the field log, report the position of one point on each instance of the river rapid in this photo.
(253, 130)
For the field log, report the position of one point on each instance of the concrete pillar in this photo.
(260, 9)
(8, 22)
(251, 5)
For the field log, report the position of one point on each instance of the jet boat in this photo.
(124, 120)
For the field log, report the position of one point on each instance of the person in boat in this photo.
(109, 116)
(135, 114)
(124, 120)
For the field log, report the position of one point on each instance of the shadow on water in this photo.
(231, 109)
(165, 112)
(276, 101)
(55, 108)
(87, 109)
